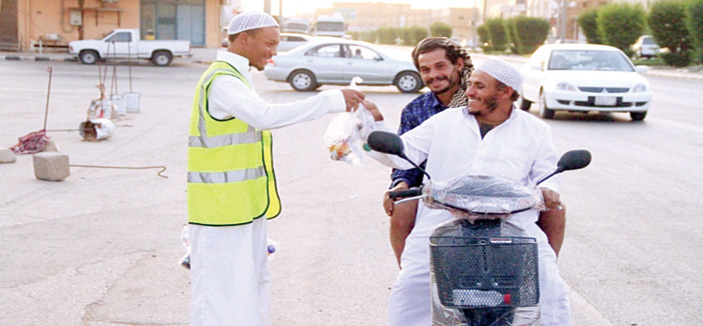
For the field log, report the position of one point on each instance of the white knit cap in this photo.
(503, 72)
(250, 20)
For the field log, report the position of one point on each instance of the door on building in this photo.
(174, 20)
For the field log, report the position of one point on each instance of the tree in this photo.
(620, 24)
(418, 34)
(694, 13)
(484, 38)
(440, 29)
(527, 33)
(497, 34)
(587, 22)
(667, 21)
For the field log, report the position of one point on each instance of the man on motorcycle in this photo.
(445, 68)
(487, 137)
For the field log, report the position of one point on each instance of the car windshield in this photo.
(648, 40)
(588, 60)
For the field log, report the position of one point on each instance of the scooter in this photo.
(483, 269)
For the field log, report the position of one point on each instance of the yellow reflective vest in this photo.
(230, 166)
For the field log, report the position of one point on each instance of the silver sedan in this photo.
(337, 61)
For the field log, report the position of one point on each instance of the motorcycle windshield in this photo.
(481, 195)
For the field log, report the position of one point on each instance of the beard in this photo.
(491, 103)
(452, 82)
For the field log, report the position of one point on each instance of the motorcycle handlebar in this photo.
(412, 192)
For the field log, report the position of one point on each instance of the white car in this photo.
(646, 47)
(583, 78)
(332, 60)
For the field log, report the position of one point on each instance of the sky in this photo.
(298, 7)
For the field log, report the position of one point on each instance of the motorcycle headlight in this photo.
(564, 86)
(639, 88)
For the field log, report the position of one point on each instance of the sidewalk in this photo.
(198, 55)
(207, 55)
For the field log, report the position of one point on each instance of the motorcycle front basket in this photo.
(475, 272)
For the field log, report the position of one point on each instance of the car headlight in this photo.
(564, 86)
(639, 88)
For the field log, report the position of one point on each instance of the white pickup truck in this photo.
(126, 43)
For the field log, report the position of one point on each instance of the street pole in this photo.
(562, 21)
(267, 6)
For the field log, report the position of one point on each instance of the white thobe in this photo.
(230, 280)
(519, 149)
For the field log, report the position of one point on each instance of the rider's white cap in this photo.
(503, 72)
(250, 20)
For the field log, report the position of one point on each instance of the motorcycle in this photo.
(483, 269)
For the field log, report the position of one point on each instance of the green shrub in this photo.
(694, 18)
(513, 40)
(369, 36)
(667, 22)
(406, 37)
(417, 34)
(620, 24)
(387, 35)
(529, 33)
(484, 38)
(587, 22)
(496, 34)
(440, 29)
(678, 59)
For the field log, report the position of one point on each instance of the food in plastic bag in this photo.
(346, 134)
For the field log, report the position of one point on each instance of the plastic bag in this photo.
(481, 197)
(346, 134)
(185, 238)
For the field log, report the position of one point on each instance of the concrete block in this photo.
(51, 147)
(7, 156)
(51, 166)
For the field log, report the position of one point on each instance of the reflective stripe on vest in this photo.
(230, 167)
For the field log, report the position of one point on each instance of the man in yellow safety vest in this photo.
(231, 182)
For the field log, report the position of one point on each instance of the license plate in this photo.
(605, 101)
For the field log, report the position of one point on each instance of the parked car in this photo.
(646, 47)
(126, 43)
(287, 41)
(290, 41)
(337, 61)
(583, 78)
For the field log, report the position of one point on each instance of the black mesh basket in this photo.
(475, 272)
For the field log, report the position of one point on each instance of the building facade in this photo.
(28, 25)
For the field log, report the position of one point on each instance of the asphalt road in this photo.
(101, 247)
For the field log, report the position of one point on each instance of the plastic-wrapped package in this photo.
(346, 134)
(480, 197)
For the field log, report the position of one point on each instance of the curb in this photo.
(35, 58)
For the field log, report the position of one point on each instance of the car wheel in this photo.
(162, 58)
(408, 82)
(544, 111)
(302, 81)
(88, 57)
(525, 104)
(638, 116)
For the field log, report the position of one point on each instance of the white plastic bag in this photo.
(346, 134)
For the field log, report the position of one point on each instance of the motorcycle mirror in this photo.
(571, 160)
(390, 143)
(574, 160)
(386, 142)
